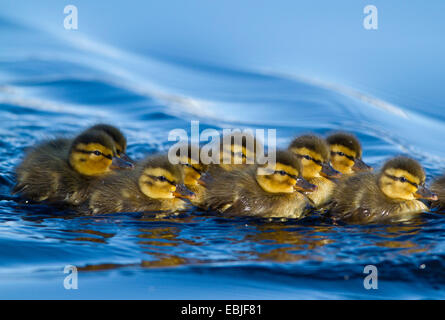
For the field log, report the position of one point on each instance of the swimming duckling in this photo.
(118, 137)
(346, 153)
(62, 170)
(261, 191)
(390, 195)
(438, 187)
(154, 185)
(237, 151)
(315, 158)
(193, 169)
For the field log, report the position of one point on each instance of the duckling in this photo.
(193, 169)
(62, 170)
(315, 158)
(390, 195)
(154, 185)
(346, 153)
(261, 191)
(438, 187)
(118, 137)
(237, 152)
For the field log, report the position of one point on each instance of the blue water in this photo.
(150, 68)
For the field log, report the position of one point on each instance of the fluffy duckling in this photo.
(118, 137)
(390, 195)
(193, 169)
(237, 151)
(261, 191)
(315, 158)
(62, 170)
(154, 185)
(346, 153)
(438, 187)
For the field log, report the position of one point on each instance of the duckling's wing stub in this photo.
(38, 174)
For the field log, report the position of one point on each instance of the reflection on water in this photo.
(173, 241)
(84, 235)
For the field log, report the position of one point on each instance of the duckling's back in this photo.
(222, 187)
(45, 173)
(238, 193)
(358, 199)
(116, 193)
(120, 192)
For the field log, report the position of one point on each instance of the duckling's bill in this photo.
(119, 163)
(304, 186)
(360, 165)
(425, 193)
(182, 192)
(328, 172)
(126, 158)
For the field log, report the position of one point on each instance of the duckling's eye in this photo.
(307, 157)
(282, 172)
(403, 179)
(341, 154)
(118, 152)
(97, 153)
(162, 178)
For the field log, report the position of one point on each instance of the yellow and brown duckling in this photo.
(118, 137)
(315, 159)
(236, 151)
(390, 195)
(154, 185)
(63, 170)
(346, 153)
(193, 170)
(262, 191)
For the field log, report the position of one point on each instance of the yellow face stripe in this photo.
(159, 172)
(286, 168)
(278, 167)
(402, 173)
(154, 188)
(85, 161)
(272, 181)
(93, 147)
(306, 151)
(345, 150)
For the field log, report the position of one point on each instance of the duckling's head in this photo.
(237, 149)
(159, 179)
(192, 166)
(403, 178)
(118, 137)
(93, 153)
(315, 156)
(346, 153)
(285, 177)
